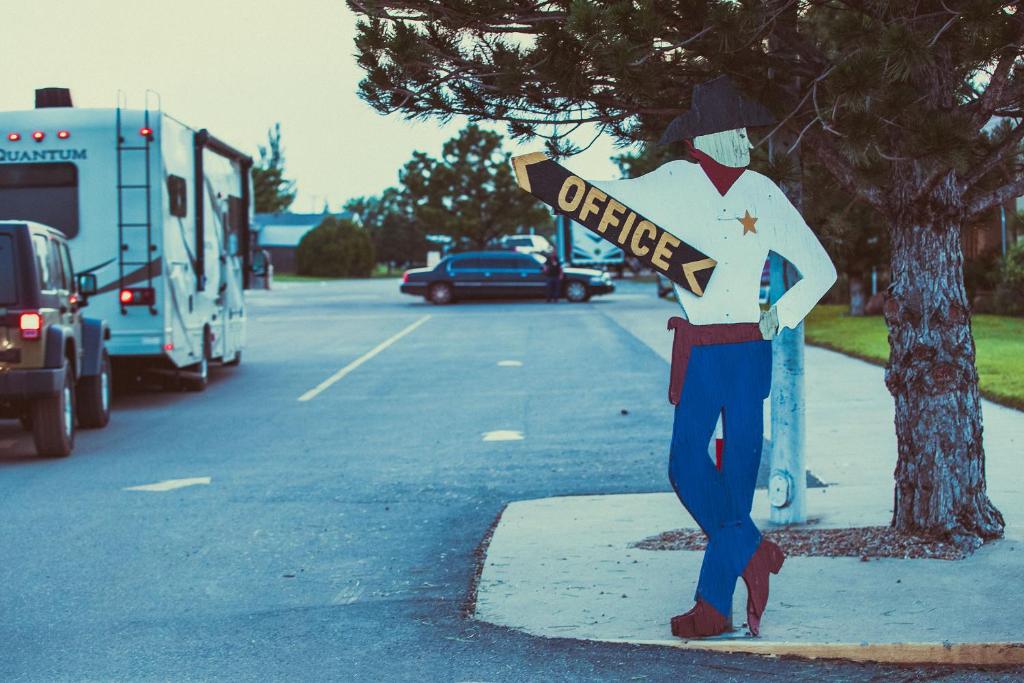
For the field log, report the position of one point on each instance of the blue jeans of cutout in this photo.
(732, 380)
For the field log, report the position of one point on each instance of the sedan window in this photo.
(465, 264)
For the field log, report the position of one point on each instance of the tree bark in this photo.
(858, 297)
(940, 473)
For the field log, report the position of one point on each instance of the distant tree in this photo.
(336, 248)
(388, 218)
(470, 193)
(273, 193)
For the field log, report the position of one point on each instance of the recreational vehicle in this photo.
(157, 210)
(578, 246)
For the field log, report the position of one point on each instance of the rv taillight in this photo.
(146, 131)
(63, 134)
(14, 137)
(31, 324)
(38, 136)
(140, 296)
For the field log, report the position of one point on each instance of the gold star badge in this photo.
(748, 223)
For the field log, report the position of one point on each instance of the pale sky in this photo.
(235, 67)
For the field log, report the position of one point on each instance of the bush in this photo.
(336, 248)
(1009, 298)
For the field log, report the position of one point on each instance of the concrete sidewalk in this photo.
(564, 567)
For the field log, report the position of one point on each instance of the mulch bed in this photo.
(867, 543)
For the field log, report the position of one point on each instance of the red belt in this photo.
(689, 335)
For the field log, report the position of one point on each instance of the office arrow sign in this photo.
(612, 220)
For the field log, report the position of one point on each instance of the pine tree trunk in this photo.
(940, 474)
(858, 299)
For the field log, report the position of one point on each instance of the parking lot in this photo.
(243, 533)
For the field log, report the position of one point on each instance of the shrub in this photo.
(1009, 298)
(335, 248)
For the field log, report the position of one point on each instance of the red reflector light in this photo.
(14, 137)
(142, 296)
(31, 324)
(168, 347)
(38, 136)
(63, 134)
(145, 131)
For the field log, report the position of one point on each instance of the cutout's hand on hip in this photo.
(769, 323)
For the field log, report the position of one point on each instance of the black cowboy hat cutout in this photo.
(717, 106)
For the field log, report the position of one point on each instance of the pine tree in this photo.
(272, 192)
(891, 98)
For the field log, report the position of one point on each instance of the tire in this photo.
(200, 377)
(93, 396)
(53, 420)
(576, 291)
(441, 293)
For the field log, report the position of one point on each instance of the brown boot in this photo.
(768, 558)
(700, 622)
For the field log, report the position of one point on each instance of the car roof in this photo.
(487, 254)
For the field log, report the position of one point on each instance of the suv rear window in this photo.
(8, 283)
(45, 193)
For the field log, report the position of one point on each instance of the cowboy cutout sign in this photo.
(709, 226)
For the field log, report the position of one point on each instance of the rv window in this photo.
(177, 196)
(45, 193)
(8, 283)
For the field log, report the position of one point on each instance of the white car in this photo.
(527, 244)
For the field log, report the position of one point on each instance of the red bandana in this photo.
(720, 175)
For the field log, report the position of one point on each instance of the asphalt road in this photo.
(335, 539)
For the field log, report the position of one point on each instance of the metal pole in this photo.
(1002, 219)
(787, 481)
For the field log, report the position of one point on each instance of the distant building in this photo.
(280, 234)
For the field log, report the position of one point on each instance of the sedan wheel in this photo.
(441, 294)
(576, 292)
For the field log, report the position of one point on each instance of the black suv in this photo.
(499, 274)
(53, 362)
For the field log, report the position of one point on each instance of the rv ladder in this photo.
(126, 228)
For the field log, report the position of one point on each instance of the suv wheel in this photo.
(53, 420)
(441, 293)
(576, 292)
(94, 397)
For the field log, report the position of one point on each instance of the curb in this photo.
(975, 654)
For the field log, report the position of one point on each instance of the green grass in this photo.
(999, 341)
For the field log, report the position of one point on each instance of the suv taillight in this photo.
(31, 325)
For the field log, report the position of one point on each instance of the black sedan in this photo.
(498, 274)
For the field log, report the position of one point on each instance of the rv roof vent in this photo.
(53, 97)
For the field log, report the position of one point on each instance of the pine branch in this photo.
(824, 149)
(996, 198)
(999, 154)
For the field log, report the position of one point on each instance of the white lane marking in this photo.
(7, 443)
(340, 374)
(503, 435)
(349, 595)
(510, 363)
(170, 484)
